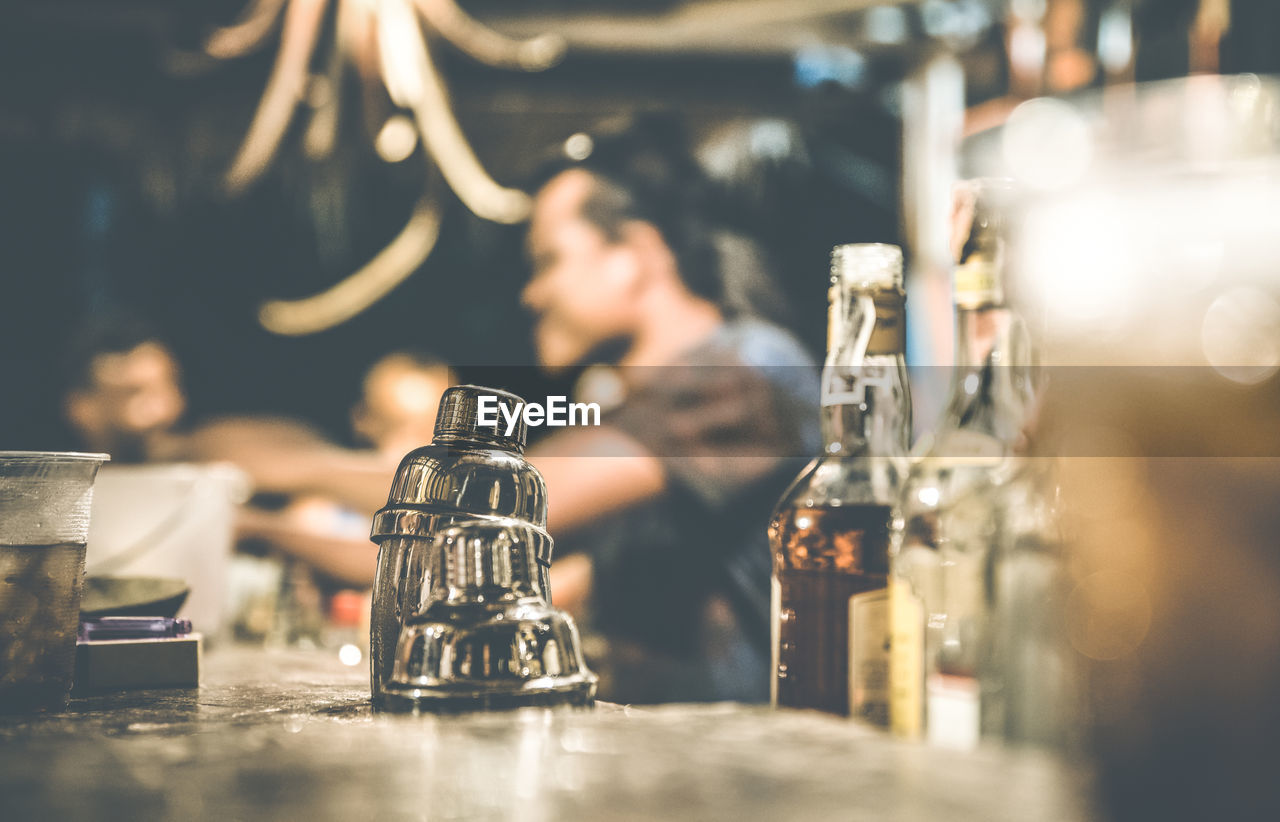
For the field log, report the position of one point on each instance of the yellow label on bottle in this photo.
(976, 284)
(906, 659)
(869, 656)
(890, 333)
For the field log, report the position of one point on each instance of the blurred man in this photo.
(663, 508)
(124, 396)
(395, 414)
(660, 513)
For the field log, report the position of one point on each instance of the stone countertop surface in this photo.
(286, 735)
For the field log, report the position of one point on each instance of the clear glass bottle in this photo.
(830, 532)
(1031, 651)
(945, 680)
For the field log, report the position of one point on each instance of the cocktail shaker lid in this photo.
(463, 407)
(473, 467)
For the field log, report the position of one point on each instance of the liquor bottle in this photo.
(830, 532)
(945, 679)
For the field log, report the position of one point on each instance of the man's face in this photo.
(131, 397)
(584, 288)
(398, 410)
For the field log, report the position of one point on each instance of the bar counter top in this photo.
(275, 734)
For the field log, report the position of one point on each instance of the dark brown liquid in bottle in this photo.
(821, 557)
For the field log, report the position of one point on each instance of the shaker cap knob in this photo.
(459, 418)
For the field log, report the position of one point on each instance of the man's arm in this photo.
(283, 456)
(592, 471)
(589, 472)
(352, 560)
(571, 584)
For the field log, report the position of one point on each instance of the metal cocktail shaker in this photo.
(469, 471)
(487, 638)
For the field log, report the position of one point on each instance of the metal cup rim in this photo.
(53, 456)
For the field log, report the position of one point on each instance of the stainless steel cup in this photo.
(487, 637)
(470, 470)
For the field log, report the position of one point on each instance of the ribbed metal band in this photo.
(408, 522)
(478, 554)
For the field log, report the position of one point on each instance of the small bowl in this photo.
(132, 596)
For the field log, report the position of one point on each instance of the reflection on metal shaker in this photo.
(468, 471)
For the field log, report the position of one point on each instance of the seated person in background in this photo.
(660, 513)
(395, 414)
(124, 394)
(125, 398)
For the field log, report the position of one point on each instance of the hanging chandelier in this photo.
(386, 41)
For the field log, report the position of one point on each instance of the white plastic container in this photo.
(174, 520)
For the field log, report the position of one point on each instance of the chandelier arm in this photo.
(250, 30)
(362, 288)
(325, 94)
(285, 89)
(414, 82)
(487, 46)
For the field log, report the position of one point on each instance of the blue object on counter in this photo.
(133, 628)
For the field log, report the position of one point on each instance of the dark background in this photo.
(113, 137)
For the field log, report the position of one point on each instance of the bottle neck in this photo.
(866, 401)
(977, 333)
(874, 419)
(993, 384)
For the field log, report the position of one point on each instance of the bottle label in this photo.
(906, 659)
(848, 386)
(869, 656)
(890, 333)
(848, 313)
(954, 711)
(976, 284)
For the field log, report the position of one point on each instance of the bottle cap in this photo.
(461, 409)
(866, 265)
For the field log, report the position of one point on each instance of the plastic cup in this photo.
(44, 521)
